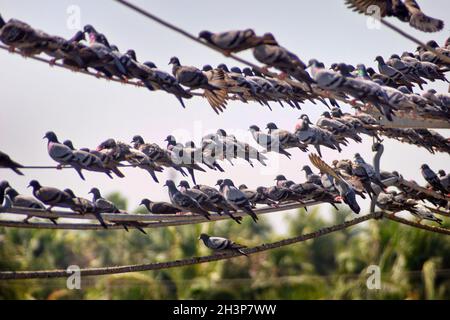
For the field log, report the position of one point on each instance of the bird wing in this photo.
(361, 6)
(218, 243)
(324, 167)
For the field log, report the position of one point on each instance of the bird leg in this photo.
(52, 62)
(227, 53)
(59, 167)
(12, 49)
(98, 74)
(283, 76)
(49, 209)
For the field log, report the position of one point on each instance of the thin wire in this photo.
(9, 275)
(410, 223)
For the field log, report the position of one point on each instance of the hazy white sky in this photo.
(35, 98)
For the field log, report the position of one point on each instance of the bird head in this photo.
(95, 192)
(203, 237)
(243, 187)
(137, 139)
(432, 91)
(336, 112)
(221, 132)
(184, 184)
(132, 54)
(306, 168)
(271, 126)
(261, 190)
(227, 182)
(305, 118)
(11, 193)
(101, 38)
(424, 166)
(207, 67)
(441, 173)
(150, 64)
(247, 71)
(223, 66)
(70, 192)
(433, 44)
(269, 39)
(326, 114)
(4, 184)
(107, 144)
(379, 59)
(51, 136)
(395, 56)
(145, 202)
(254, 128)
(205, 35)
(189, 144)
(69, 144)
(236, 70)
(404, 89)
(169, 184)
(34, 184)
(175, 61)
(280, 177)
(170, 138)
(219, 182)
(89, 29)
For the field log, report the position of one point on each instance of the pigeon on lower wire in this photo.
(220, 244)
(159, 207)
(84, 206)
(53, 197)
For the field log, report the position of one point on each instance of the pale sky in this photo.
(36, 98)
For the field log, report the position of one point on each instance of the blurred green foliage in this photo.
(415, 264)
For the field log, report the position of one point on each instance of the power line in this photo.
(4, 275)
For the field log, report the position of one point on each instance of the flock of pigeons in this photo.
(388, 91)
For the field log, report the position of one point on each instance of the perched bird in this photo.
(371, 174)
(236, 40)
(101, 204)
(346, 191)
(391, 201)
(218, 200)
(287, 139)
(50, 196)
(159, 207)
(87, 160)
(220, 244)
(406, 11)
(23, 201)
(257, 196)
(431, 177)
(199, 196)
(61, 153)
(310, 176)
(84, 206)
(268, 141)
(445, 179)
(196, 79)
(7, 162)
(236, 198)
(336, 127)
(3, 186)
(184, 202)
(107, 161)
(316, 136)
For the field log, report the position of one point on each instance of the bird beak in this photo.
(28, 186)
(99, 149)
(44, 137)
(165, 185)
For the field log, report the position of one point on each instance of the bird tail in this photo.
(20, 173)
(100, 219)
(252, 213)
(422, 22)
(117, 172)
(2, 22)
(152, 173)
(79, 172)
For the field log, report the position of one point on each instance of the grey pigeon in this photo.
(311, 177)
(101, 204)
(184, 202)
(220, 244)
(235, 40)
(199, 196)
(218, 200)
(287, 139)
(50, 196)
(84, 206)
(159, 207)
(406, 11)
(196, 79)
(61, 153)
(107, 161)
(237, 198)
(87, 160)
(23, 201)
(7, 162)
(346, 191)
(257, 196)
(268, 141)
(431, 177)
(336, 127)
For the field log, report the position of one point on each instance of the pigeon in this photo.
(283, 60)
(159, 207)
(256, 196)
(445, 179)
(406, 11)
(235, 40)
(7, 162)
(336, 127)
(50, 196)
(422, 212)
(182, 157)
(315, 136)
(391, 201)
(60, 48)
(424, 69)
(371, 174)
(87, 160)
(184, 202)
(236, 198)
(107, 161)
(155, 153)
(161, 80)
(268, 141)
(428, 56)
(205, 157)
(101, 204)
(354, 122)
(279, 194)
(220, 244)
(287, 139)
(84, 206)
(392, 73)
(199, 196)
(194, 79)
(311, 177)
(409, 71)
(346, 191)
(431, 177)
(61, 153)
(23, 201)
(218, 200)
(120, 151)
